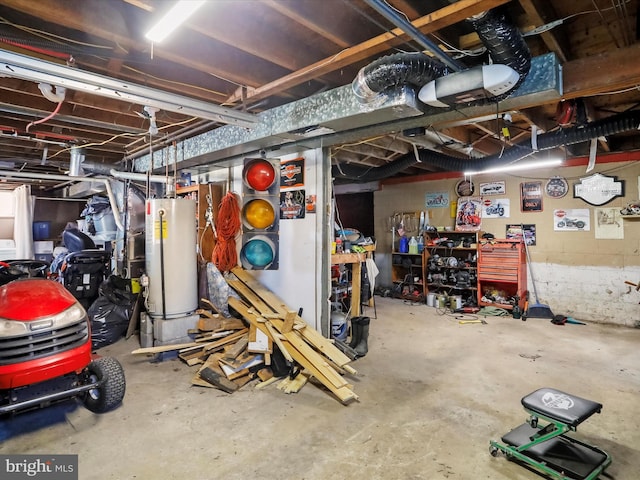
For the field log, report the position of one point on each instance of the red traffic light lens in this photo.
(259, 175)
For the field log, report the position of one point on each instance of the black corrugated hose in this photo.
(619, 123)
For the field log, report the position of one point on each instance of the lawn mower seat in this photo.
(84, 268)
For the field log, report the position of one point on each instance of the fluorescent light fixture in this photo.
(175, 17)
(28, 68)
(517, 166)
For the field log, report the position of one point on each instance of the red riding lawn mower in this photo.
(45, 345)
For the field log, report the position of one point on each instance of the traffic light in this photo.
(260, 214)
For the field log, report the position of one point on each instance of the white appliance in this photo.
(171, 257)
(7, 249)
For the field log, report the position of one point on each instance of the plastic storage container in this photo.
(41, 231)
(404, 245)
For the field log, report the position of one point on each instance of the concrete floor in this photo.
(432, 394)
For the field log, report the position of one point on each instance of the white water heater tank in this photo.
(171, 257)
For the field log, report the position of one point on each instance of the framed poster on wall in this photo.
(468, 214)
(292, 204)
(531, 196)
(292, 173)
(571, 220)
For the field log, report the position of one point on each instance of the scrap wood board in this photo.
(270, 302)
(310, 359)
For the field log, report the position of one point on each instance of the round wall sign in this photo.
(556, 187)
(465, 188)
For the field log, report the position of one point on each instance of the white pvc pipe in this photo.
(141, 177)
(114, 205)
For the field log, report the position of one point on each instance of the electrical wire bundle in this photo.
(224, 254)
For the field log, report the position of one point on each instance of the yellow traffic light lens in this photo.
(259, 214)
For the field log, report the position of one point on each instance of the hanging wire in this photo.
(48, 117)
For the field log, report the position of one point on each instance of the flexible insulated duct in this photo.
(395, 70)
(502, 40)
(622, 122)
(504, 43)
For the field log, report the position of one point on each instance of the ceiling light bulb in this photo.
(175, 17)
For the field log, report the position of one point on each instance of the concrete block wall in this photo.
(596, 294)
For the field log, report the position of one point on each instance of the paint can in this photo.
(431, 299)
(441, 301)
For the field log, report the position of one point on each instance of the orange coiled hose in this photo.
(224, 254)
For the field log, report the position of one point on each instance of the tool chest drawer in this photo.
(502, 267)
(501, 273)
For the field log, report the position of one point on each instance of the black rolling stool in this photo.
(546, 447)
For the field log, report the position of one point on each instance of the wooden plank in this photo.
(237, 348)
(207, 302)
(214, 336)
(208, 314)
(431, 23)
(318, 361)
(163, 348)
(242, 381)
(237, 362)
(196, 380)
(276, 338)
(601, 73)
(193, 358)
(208, 324)
(212, 363)
(265, 374)
(266, 383)
(259, 342)
(321, 367)
(288, 321)
(244, 290)
(344, 394)
(288, 385)
(232, 324)
(225, 341)
(273, 302)
(219, 381)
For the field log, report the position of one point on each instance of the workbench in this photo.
(355, 260)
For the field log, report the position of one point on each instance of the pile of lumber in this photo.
(231, 352)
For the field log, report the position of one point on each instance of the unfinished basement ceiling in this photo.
(253, 56)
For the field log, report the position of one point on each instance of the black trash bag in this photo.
(117, 290)
(280, 366)
(110, 313)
